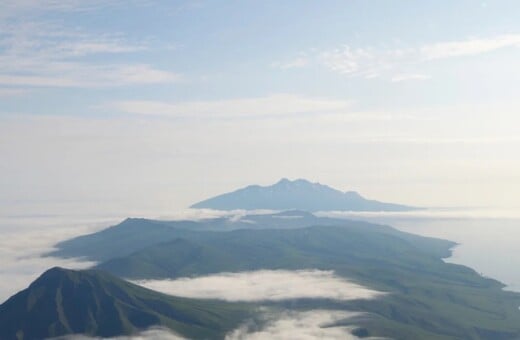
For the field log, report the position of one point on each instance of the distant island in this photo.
(298, 194)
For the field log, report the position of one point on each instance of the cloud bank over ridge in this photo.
(274, 285)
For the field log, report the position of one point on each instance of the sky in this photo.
(141, 105)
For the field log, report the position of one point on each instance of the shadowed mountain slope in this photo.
(91, 302)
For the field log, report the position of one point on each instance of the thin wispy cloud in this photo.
(11, 92)
(406, 77)
(84, 75)
(351, 61)
(483, 140)
(469, 47)
(291, 64)
(273, 105)
(41, 53)
(395, 63)
(9, 8)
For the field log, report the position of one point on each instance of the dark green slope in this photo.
(324, 247)
(122, 239)
(180, 257)
(95, 303)
(428, 297)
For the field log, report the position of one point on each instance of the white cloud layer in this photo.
(25, 238)
(308, 325)
(315, 324)
(264, 285)
(30, 230)
(153, 333)
(481, 213)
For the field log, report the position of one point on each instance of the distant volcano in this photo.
(298, 194)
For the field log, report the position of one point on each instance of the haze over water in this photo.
(488, 239)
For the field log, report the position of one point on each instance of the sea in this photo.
(488, 239)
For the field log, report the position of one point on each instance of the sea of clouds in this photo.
(29, 234)
(260, 285)
(26, 237)
(24, 240)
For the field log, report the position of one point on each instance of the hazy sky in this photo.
(134, 104)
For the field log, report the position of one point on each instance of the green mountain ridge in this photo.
(321, 247)
(423, 289)
(427, 297)
(134, 234)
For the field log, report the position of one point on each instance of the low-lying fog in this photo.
(25, 239)
(26, 236)
(315, 324)
(264, 285)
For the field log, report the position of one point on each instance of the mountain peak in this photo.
(298, 194)
(283, 180)
(92, 302)
(298, 181)
(54, 273)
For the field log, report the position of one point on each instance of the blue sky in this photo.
(162, 103)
